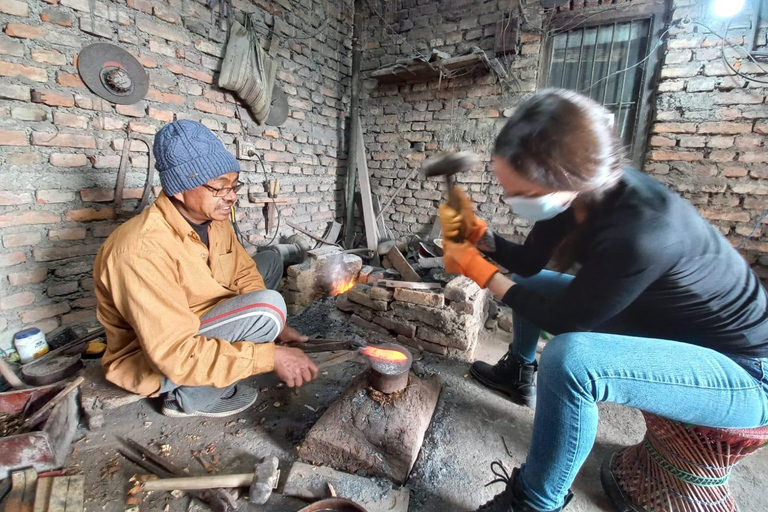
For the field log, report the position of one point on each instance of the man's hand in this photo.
(465, 259)
(290, 337)
(293, 366)
(461, 223)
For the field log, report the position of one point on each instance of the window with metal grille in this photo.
(607, 63)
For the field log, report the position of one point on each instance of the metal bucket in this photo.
(333, 505)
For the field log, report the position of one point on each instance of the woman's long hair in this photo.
(562, 140)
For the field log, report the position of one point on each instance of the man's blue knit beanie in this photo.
(187, 154)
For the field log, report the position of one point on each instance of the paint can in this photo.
(30, 344)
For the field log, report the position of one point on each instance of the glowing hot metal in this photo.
(385, 355)
(390, 367)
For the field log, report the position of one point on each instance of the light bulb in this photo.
(727, 8)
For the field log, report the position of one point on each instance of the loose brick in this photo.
(23, 31)
(435, 300)
(10, 259)
(90, 214)
(11, 69)
(724, 128)
(68, 160)
(13, 138)
(63, 140)
(69, 79)
(136, 110)
(55, 196)
(30, 277)
(21, 239)
(53, 99)
(56, 16)
(66, 234)
(17, 300)
(61, 253)
(14, 198)
(9, 46)
(37, 314)
(14, 92)
(14, 8)
(62, 289)
(27, 218)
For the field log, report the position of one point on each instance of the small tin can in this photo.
(30, 344)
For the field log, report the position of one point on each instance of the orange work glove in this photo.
(461, 223)
(465, 259)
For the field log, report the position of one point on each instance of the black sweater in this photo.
(650, 263)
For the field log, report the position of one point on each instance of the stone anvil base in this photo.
(358, 433)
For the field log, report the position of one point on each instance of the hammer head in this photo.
(448, 164)
(265, 479)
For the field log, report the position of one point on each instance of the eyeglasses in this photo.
(224, 191)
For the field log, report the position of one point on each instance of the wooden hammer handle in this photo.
(195, 483)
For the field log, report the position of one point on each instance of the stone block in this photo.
(461, 289)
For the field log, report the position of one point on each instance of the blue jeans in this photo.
(675, 380)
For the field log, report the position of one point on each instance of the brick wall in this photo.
(709, 137)
(404, 124)
(709, 128)
(59, 158)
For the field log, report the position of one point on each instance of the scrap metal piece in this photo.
(112, 73)
(278, 110)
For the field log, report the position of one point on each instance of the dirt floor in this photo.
(467, 433)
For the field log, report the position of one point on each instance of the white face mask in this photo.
(534, 209)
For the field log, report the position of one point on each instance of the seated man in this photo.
(186, 312)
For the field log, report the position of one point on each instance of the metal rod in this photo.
(751, 38)
(357, 55)
(624, 81)
(610, 56)
(594, 61)
(565, 59)
(581, 54)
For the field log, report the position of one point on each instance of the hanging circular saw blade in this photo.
(278, 109)
(112, 73)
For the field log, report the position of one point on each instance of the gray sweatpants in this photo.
(257, 317)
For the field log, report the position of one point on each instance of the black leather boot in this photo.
(512, 376)
(512, 499)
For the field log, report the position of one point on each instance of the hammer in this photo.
(261, 482)
(448, 164)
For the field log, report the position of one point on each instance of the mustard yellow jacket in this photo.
(154, 279)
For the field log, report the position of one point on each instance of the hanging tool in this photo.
(447, 165)
(218, 500)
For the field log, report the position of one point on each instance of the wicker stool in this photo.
(678, 467)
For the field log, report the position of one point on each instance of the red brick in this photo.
(136, 146)
(720, 142)
(140, 5)
(108, 123)
(70, 120)
(147, 61)
(13, 138)
(61, 253)
(55, 196)
(69, 79)
(17, 70)
(107, 195)
(24, 31)
(271, 134)
(734, 172)
(14, 8)
(90, 214)
(212, 95)
(37, 314)
(684, 156)
(12, 258)
(11, 47)
(52, 57)
(69, 160)
(162, 30)
(86, 302)
(165, 116)
(67, 140)
(166, 14)
(17, 300)
(658, 141)
(66, 234)
(693, 142)
(165, 97)
(131, 110)
(725, 128)
(674, 128)
(29, 277)
(761, 128)
(225, 111)
(753, 157)
(21, 239)
(204, 106)
(198, 75)
(105, 162)
(53, 99)
(145, 128)
(27, 218)
(62, 289)
(8, 198)
(56, 16)
(78, 317)
(726, 216)
(92, 103)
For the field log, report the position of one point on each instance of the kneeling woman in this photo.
(663, 315)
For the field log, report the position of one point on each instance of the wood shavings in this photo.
(166, 449)
(208, 468)
(136, 489)
(210, 448)
(192, 437)
(383, 398)
(112, 467)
